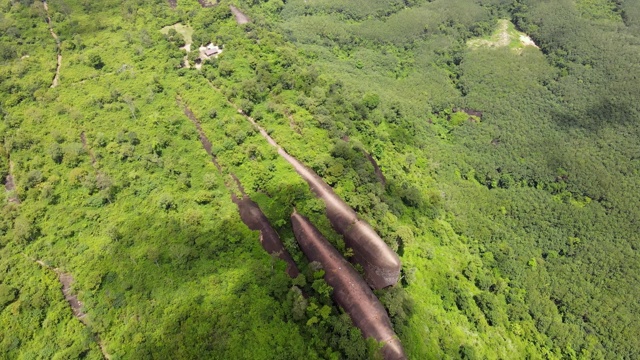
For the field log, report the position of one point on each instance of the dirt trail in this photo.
(240, 17)
(504, 35)
(381, 264)
(10, 185)
(374, 163)
(86, 147)
(349, 290)
(66, 280)
(376, 168)
(250, 212)
(56, 78)
(206, 144)
(206, 4)
(292, 123)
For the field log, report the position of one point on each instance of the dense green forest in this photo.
(506, 132)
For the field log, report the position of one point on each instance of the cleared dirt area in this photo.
(206, 4)
(10, 185)
(172, 3)
(349, 290)
(505, 35)
(56, 78)
(250, 213)
(240, 17)
(381, 264)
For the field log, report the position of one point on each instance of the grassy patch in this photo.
(505, 35)
(601, 10)
(185, 31)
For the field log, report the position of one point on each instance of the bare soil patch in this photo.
(206, 4)
(240, 17)
(10, 185)
(505, 35)
(527, 41)
(172, 3)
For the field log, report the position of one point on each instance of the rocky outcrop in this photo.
(255, 219)
(380, 263)
(350, 291)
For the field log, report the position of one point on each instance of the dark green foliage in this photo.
(7, 52)
(95, 61)
(7, 295)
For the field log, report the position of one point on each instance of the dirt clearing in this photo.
(240, 17)
(10, 186)
(505, 35)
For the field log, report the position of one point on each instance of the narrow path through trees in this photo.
(10, 185)
(86, 147)
(66, 280)
(250, 213)
(56, 78)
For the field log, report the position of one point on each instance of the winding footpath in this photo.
(56, 78)
(66, 280)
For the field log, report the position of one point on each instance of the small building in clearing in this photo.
(210, 50)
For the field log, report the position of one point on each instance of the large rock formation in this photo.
(349, 290)
(380, 263)
(255, 219)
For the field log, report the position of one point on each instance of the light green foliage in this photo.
(599, 9)
(36, 322)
